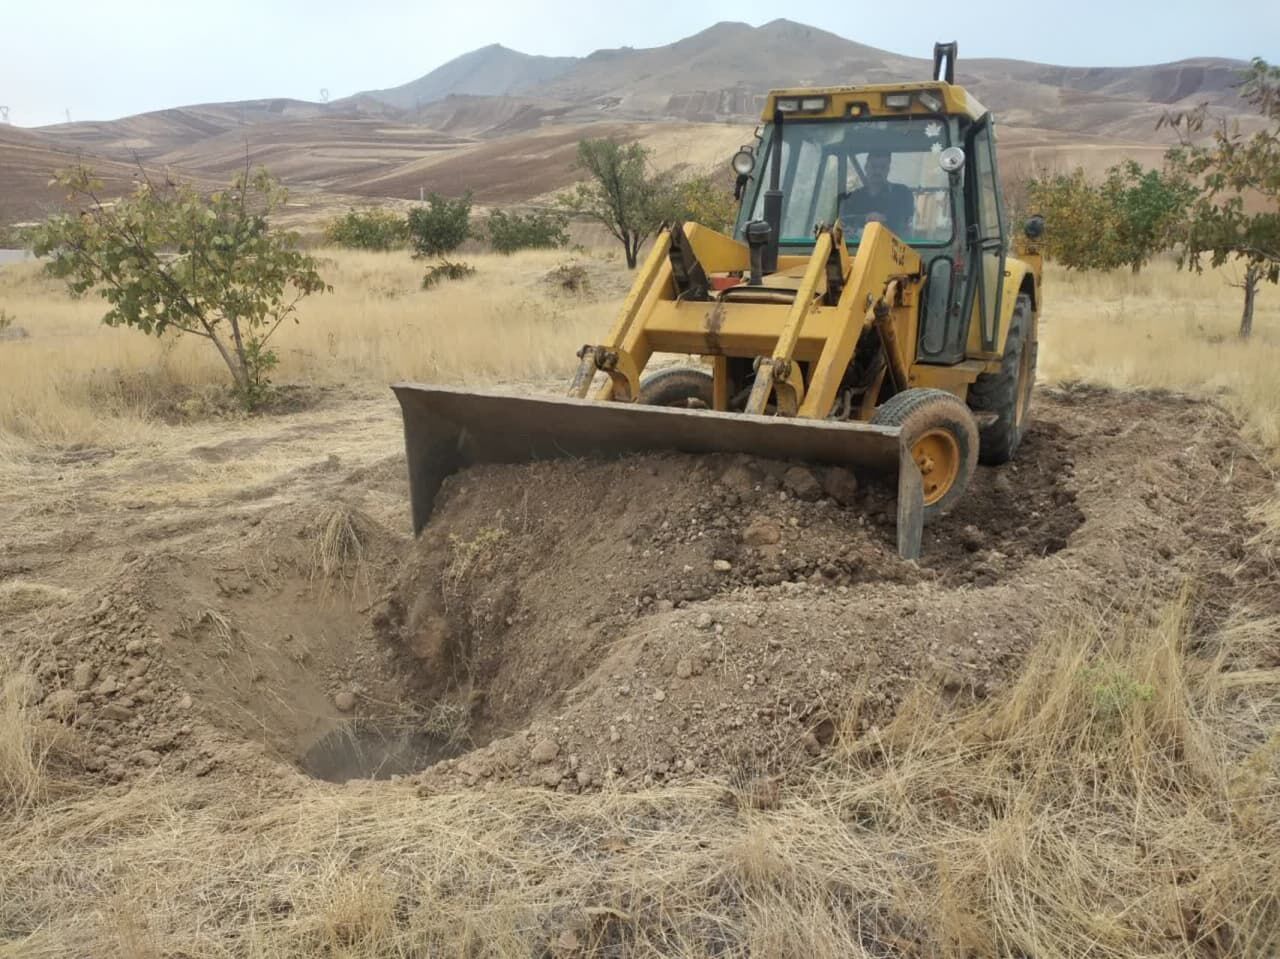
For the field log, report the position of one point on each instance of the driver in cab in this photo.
(878, 200)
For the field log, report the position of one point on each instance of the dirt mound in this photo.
(666, 617)
(578, 624)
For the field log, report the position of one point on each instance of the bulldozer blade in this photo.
(447, 429)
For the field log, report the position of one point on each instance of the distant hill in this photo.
(505, 123)
(490, 71)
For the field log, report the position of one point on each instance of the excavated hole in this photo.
(366, 749)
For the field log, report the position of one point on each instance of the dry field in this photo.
(1056, 737)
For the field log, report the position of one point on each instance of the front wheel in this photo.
(680, 387)
(943, 438)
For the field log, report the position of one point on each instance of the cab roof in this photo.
(869, 100)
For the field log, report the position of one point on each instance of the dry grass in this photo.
(1166, 329)
(1095, 809)
(73, 380)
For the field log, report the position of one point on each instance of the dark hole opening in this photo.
(366, 750)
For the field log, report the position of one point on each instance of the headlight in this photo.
(897, 101)
(787, 105)
(744, 161)
(813, 104)
(930, 101)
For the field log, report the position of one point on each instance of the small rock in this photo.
(203, 767)
(659, 696)
(544, 751)
(704, 621)
(108, 687)
(972, 539)
(567, 943)
(762, 532)
(135, 646)
(146, 757)
(117, 711)
(1002, 483)
(841, 485)
(800, 482)
(811, 744)
(551, 776)
(345, 701)
(137, 668)
(684, 668)
(185, 702)
(721, 565)
(82, 676)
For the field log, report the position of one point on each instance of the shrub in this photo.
(375, 229)
(509, 232)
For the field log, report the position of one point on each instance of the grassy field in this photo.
(1121, 799)
(73, 380)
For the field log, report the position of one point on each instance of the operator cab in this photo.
(918, 157)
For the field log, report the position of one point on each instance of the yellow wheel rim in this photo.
(937, 454)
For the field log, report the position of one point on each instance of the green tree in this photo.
(1133, 214)
(168, 259)
(539, 229)
(632, 201)
(621, 193)
(374, 229)
(702, 200)
(436, 230)
(1237, 212)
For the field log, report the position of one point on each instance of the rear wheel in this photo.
(679, 387)
(1007, 394)
(943, 438)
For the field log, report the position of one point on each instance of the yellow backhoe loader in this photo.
(867, 311)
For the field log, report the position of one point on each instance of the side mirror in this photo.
(1034, 227)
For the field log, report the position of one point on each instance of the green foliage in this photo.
(375, 229)
(632, 202)
(1114, 693)
(441, 226)
(15, 236)
(1126, 219)
(6, 320)
(620, 194)
(701, 200)
(170, 260)
(538, 230)
(1237, 212)
(436, 230)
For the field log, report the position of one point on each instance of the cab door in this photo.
(985, 236)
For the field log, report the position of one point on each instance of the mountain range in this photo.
(505, 124)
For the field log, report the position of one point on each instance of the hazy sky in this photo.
(107, 58)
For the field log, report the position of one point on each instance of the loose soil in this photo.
(581, 624)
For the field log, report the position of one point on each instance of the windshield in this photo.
(861, 171)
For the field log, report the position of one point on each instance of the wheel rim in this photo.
(937, 454)
(1023, 389)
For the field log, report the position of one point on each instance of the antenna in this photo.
(4, 114)
(68, 113)
(324, 94)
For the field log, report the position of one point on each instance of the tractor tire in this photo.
(1007, 394)
(943, 438)
(679, 386)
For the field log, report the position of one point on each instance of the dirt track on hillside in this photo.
(579, 624)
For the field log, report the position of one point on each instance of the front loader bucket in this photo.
(446, 429)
